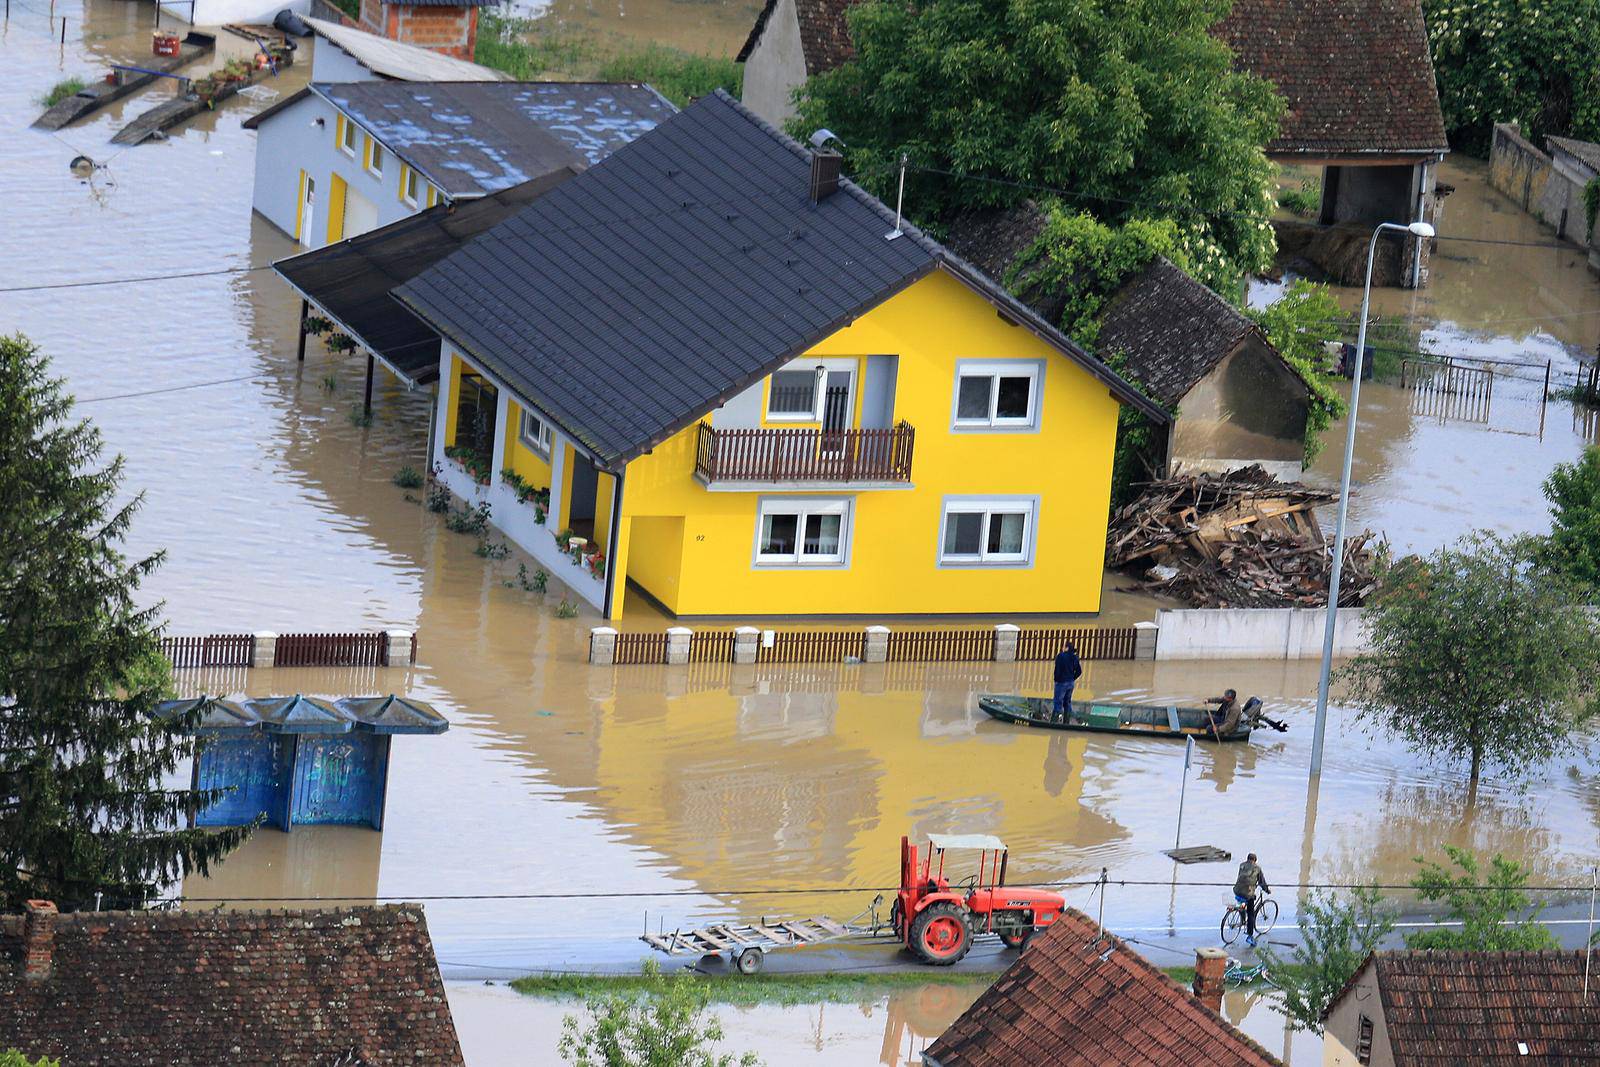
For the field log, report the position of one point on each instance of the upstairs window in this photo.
(792, 395)
(1364, 1041)
(809, 532)
(347, 137)
(534, 433)
(375, 159)
(999, 396)
(410, 186)
(981, 532)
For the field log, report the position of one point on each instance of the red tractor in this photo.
(938, 923)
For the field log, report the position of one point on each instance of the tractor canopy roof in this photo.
(944, 842)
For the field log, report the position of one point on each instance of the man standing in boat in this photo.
(1068, 670)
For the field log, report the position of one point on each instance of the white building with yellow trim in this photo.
(740, 388)
(336, 160)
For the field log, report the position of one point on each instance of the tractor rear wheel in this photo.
(941, 935)
(1016, 938)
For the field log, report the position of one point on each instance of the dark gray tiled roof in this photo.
(1586, 152)
(351, 280)
(636, 297)
(471, 138)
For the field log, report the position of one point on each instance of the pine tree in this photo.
(84, 808)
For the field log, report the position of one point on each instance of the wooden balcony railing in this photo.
(757, 455)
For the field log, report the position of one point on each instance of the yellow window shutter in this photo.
(366, 152)
(338, 132)
(300, 206)
(404, 172)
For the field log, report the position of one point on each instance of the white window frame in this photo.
(375, 159)
(410, 186)
(817, 386)
(348, 143)
(988, 507)
(994, 370)
(536, 441)
(801, 507)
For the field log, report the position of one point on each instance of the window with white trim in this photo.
(792, 394)
(375, 161)
(534, 433)
(803, 532)
(997, 395)
(977, 532)
(410, 186)
(347, 137)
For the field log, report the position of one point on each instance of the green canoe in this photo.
(1101, 717)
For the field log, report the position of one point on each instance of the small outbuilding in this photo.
(298, 760)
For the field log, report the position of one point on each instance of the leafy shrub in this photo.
(408, 477)
(566, 609)
(359, 416)
(473, 521)
(438, 500)
(492, 551)
(1304, 201)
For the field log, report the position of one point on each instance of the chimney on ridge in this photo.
(1209, 965)
(38, 939)
(825, 168)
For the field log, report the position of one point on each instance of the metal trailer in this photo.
(745, 945)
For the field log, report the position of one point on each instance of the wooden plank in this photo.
(706, 936)
(800, 931)
(832, 927)
(782, 937)
(732, 935)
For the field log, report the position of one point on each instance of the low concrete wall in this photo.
(1255, 633)
(1517, 168)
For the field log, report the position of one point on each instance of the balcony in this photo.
(739, 458)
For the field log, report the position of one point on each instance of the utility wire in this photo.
(168, 389)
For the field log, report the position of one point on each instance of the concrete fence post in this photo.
(602, 646)
(1145, 637)
(745, 640)
(678, 644)
(399, 648)
(1005, 643)
(875, 649)
(264, 649)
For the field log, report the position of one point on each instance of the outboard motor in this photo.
(1252, 716)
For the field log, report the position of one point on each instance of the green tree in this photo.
(668, 1026)
(12, 1058)
(1482, 903)
(83, 808)
(1475, 653)
(1537, 64)
(1336, 936)
(1573, 547)
(1298, 324)
(1132, 110)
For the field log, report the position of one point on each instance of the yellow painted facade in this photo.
(693, 548)
(336, 190)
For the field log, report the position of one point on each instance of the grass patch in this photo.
(744, 990)
(62, 89)
(530, 50)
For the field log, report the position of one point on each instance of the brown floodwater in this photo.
(708, 788)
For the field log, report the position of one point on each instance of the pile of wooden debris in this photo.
(1238, 540)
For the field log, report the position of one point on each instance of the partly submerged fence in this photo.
(381, 648)
(874, 644)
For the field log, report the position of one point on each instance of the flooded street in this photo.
(569, 806)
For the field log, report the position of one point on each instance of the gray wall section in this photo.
(289, 142)
(1250, 408)
(330, 63)
(1561, 203)
(1368, 194)
(877, 392)
(742, 412)
(777, 65)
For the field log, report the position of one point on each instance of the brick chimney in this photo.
(38, 939)
(1209, 965)
(448, 28)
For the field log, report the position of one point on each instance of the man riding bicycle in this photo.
(1244, 891)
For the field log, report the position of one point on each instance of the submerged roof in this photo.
(824, 33)
(182, 989)
(1444, 1007)
(1174, 330)
(631, 300)
(1356, 75)
(351, 281)
(1080, 998)
(471, 138)
(403, 62)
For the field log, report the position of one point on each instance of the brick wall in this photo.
(452, 31)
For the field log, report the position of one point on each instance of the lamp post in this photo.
(1424, 231)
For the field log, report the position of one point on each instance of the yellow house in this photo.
(749, 390)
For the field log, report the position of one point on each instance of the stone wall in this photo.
(1517, 168)
(1255, 633)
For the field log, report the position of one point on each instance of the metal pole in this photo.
(366, 402)
(1344, 508)
(305, 310)
(1588, 941)
(1188, 750)
(1100, 921)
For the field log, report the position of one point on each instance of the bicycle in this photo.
(1238, 974)
(1234, 920)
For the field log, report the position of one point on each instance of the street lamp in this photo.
(1418, 229)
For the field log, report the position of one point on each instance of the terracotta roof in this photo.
(1474, 1007)
(351, 985)
(1356, 74)
(1068, 1001)
(824, 34)
(1586, 152)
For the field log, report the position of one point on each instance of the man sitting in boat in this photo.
(1068, 670)
(1225, 720)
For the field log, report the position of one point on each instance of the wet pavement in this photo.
(708, 792)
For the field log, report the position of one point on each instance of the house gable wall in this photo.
(776, 66)
(1342, 1028)
(892, 559)
(1251, 408)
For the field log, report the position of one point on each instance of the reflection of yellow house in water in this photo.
(749, 391)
